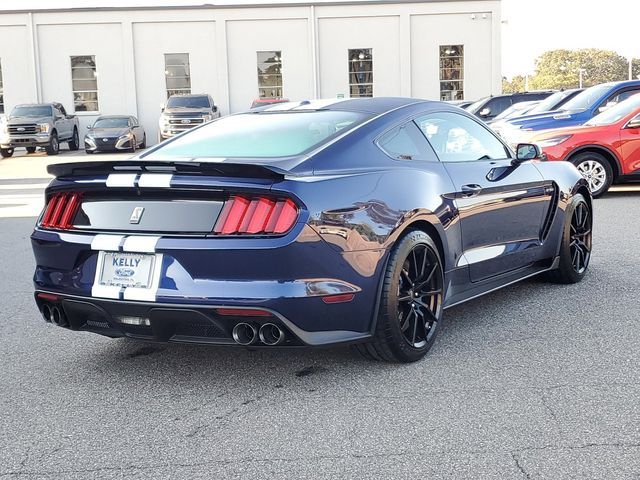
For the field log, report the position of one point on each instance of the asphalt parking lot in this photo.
(533, 381)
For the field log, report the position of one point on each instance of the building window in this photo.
(361, 72)
(177, 73)
(270, 74)
(85, 83)
(452, 72)
(1, 91)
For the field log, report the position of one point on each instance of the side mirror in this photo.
(89, 127)
(215, 108)
(526, 151)
(59, 117)
(162, 107)
(633, 123)
(485, 112)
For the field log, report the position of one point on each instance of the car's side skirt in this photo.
(500, 281)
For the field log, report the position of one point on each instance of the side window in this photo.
(498, 105)
(405, 143)
(620, 97)
(63, 111)
(457, 138)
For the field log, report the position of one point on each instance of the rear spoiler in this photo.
(77, 169)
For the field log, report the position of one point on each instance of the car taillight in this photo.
(60, 211)
(256, 216)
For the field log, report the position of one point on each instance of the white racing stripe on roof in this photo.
(304, 105)
(157, 180)
(121, 179)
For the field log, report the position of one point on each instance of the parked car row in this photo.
(598, 130)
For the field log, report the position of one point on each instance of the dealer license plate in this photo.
(123, 269)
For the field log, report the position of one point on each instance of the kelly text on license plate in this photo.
(127, 269)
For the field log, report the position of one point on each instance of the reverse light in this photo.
(256, 215)
(60, 211)
(552, 142)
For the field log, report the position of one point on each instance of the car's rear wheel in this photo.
(411, 302)
(6, 152)
(31, 149)
(575, 249)
(596, 170)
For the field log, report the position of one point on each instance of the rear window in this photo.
(261, 135)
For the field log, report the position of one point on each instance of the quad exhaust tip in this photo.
(245, 333)
(271, 334)
(57, 317)
(46, 312)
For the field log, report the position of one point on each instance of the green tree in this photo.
(560, 69)
(516, 84)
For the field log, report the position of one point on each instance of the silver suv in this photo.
(38, 125)
(183, 112)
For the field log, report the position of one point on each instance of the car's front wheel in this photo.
(31, 149)
(410, 308)
(6, 152)
(575, 248)
(596, 170)
(54, 146)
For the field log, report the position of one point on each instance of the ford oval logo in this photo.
(185, 121)
(20, 129)
(125, 272)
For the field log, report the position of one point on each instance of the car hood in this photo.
(556, 117)
(588, 130)
(108, 132)
(16, 120)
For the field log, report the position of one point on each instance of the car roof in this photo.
(114, 116)
(375, 105)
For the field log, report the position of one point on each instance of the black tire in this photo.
(410, 308)
(143, 145)
(6, 152)
(54, 146)
(31, 149)
(133, 146)
(575, 248)
(74, 143)
(596, 169)
(88, 152)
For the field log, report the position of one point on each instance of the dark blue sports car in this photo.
(306, 224)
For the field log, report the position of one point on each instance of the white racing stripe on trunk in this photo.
(105, 291)
(157, 180)
(140, 244)
(106, 242)
(146, 294)
(121, 179)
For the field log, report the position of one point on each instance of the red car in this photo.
(605, 150)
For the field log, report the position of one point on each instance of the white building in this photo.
(126, 59)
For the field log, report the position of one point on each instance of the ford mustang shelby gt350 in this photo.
(306, 224)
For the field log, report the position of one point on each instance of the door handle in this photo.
(470, 190)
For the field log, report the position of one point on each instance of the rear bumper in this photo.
(288, 276)
(195, 324)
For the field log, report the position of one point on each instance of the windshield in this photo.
(518, 108)
(617, 112)
(120, 122)
(549, 103)
(475, 106)
(263, 135)
(587, 99)
(188, 102)
(32, 111)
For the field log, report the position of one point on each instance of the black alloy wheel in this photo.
(580, 246)
(576, 244)
(419, 295)
(411, 300)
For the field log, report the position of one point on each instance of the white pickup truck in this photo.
(38, 125)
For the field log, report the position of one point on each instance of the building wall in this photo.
(129, 46)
